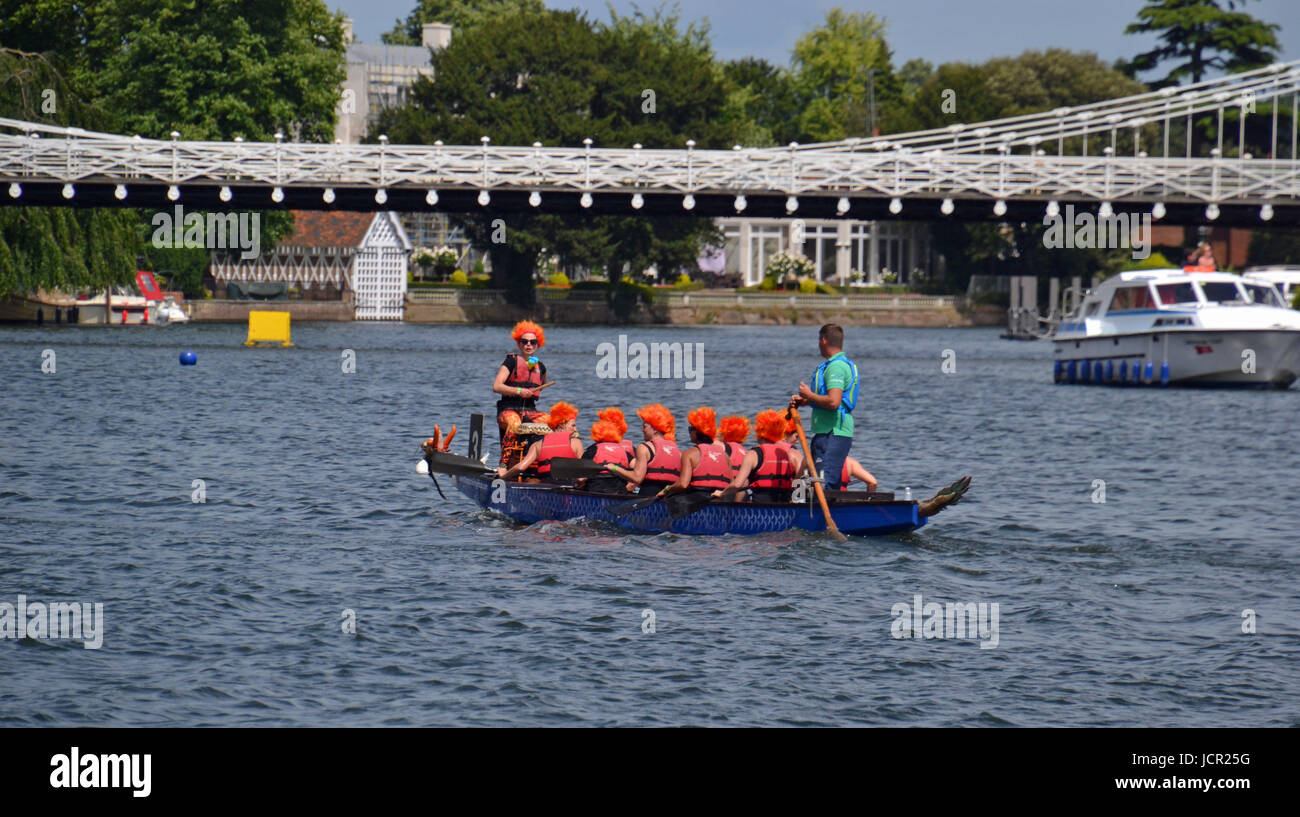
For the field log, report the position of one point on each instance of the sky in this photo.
(936, 30)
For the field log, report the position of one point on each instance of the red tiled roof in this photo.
(322, 228)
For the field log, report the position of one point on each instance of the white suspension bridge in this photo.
(1134, 154)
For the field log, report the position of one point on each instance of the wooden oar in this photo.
(812, 471)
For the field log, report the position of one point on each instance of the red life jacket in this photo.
(737, 455)
(610, 452)
(665, 463)
(555, 444)
(522, 377)
(714, 470)
(774, 469)
(630, 447)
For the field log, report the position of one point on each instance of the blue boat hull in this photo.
(532, 502)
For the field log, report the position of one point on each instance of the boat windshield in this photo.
(1262, 294)
(1176, 294)
(1132, 297)
(1222, 292)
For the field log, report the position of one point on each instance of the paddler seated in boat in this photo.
(615, 415)
(519, 381)
(769, 468)
(607, 449)
(706, 466)
(658, 460)
(734, 430)
(853, 470)
(563, 441)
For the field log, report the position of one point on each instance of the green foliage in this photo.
(1153, 261)
(1274, 245)
(683, 280)
(768, 283)
(211, 70)
(808, 286)
(832, 63)
(460, 14)
(1199, 36)
(764, 102)
(555, 77)
(459, 277)
(558, 279)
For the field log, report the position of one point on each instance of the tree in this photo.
(1200, 36)
(211, 70)
(555, 77)
(461, 15)
(838, 66)
(765, 101)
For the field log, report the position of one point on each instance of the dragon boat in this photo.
(855, 513)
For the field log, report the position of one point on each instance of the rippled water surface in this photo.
(228, 612)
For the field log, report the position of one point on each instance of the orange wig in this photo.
(658, 418)
(603, 431)
(704, 420)
(561, 413)
(734, 428)
(770, 425)
(528, 328)
(615, 416)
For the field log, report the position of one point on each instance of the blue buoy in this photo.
(1096, 371)
(1123, 371)
(1164, 373)
(1058, 371)
(1071, 371)
(188, 358)
(1085, 371)
(1150, 372)
(1110, 371)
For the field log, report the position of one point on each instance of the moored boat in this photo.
(1176, 327)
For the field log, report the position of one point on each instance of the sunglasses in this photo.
(529, 341)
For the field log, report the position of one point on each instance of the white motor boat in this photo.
(1176, 327)
(166, 311)
(1285, 278)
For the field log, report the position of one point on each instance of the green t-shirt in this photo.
(833, 421)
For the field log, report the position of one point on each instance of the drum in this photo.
(525, 435)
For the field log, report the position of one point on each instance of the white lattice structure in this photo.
(379, 271)
(366, 254)
(979, 164)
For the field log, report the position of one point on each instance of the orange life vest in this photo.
(608, 452)
(774, 470)
(737, 455)
(555, 444)
(665, 463)
(714, 470)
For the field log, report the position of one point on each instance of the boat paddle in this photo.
(572, 468)
(790, 414)
(680, 505)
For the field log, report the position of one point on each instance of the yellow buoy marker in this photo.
(268, 327)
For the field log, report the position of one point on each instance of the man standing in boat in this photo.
(519, 381)
(833, 395)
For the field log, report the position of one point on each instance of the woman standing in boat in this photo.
(519, 382)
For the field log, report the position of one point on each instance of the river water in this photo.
(231, 611)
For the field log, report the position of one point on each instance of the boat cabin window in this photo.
(1176, 294)
(1263, 295)
(1091, 309)
(1135, 297)
(1222, 292)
